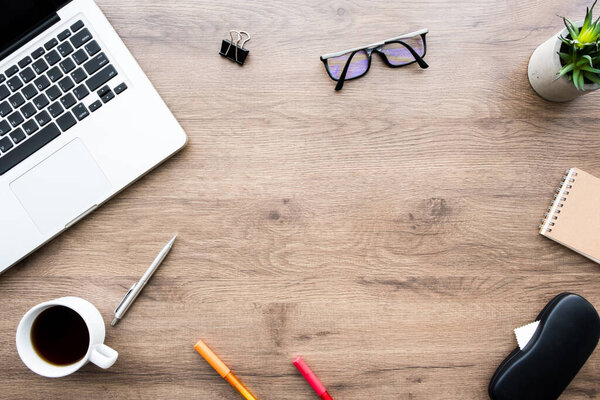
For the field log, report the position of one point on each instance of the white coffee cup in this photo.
(97, 352)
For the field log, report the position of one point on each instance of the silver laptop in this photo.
(79, 120)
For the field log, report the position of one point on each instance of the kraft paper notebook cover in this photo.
(573, 219)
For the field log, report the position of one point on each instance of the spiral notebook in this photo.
(573, 219)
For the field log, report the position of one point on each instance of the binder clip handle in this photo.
(244, 41)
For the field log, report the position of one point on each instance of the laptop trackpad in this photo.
(62, 187)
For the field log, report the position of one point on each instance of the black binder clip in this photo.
(235, 51)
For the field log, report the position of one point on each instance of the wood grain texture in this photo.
(387, 232)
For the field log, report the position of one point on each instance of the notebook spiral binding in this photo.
(560, 197)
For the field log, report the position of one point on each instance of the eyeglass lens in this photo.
(398, 54)
(358, 65)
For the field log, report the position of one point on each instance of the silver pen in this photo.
(135, 290)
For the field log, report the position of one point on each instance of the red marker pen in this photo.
(311, 378)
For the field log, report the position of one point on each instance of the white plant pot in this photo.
(544, 66)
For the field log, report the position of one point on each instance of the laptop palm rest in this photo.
(61, 188)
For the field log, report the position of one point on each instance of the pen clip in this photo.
(125, 297)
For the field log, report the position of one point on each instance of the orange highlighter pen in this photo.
(222, 369)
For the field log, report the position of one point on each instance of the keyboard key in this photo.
(66, 121)
(4, 92)
(17, 135)
(103, 90)
(30, 127)
(4, 127)
(11, 71)
(67, 65)
(66, 84)
(40, 66)
(38, 53)
(27, 75)
(41, 83)
(2, 78)
(41, 101)
(53, 92)
(15, 119)
(77, 26)
(5, 109)
(42, 118)
(50, 43)
(29, 91)
(80, 92)
(53, 57)
(92, 47)
(28, 110)
(24, 62)
(121, 88)
(28, 147)
(55, 109)
(65, 49)
(5, 145)
(80, 56)
(80, 38)
(95, 63)
(78, 75)
(16, 100)
(108, 97)
(14, 83)
(101, 77)
(80, 111)
(64, 34)
(95, 105)
(68, 100)
(55, 74)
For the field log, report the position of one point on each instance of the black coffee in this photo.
(60, 336)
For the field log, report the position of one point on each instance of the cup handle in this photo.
(103, 356)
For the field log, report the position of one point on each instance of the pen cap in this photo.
(212, 358)
(310, 377)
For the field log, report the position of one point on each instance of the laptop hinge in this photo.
(45, 24)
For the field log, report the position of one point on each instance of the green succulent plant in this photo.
(582, 60)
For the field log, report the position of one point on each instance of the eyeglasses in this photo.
(395, 52)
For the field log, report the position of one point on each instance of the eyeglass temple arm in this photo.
(417, 57)
(342, 77)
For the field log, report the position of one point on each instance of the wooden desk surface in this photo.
(387, 232)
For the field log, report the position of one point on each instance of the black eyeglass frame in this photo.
(377, 48)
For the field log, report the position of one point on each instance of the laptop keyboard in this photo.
(41, 96)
